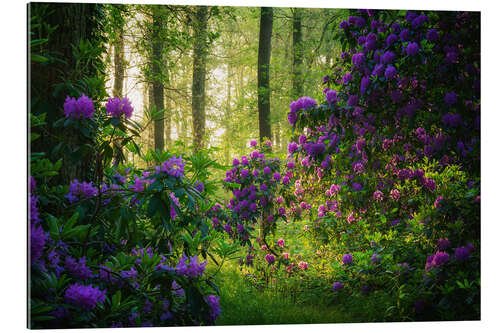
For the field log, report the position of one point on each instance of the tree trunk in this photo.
(159, 124)
(199, 74)
(151, 101)
(263, 99)
(119, 64)
(168, 119)
(75, 22)
(297, 49)
(227, 117)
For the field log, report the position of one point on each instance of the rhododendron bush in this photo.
(377, 197)
(127, 248)
(390, 161)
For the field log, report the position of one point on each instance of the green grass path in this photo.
(242, 304)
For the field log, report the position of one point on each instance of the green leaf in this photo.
(38, 58)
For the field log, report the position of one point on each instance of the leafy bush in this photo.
(391, 161)
(123, 249)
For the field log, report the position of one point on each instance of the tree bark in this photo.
(159, 125)
(119, 59)
(298, 55)
(168, 119)
(75, 22)
(151, 131)
(199, 75)
(263, 97)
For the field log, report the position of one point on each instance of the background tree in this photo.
(199, 75)
(297, 85)
(157, 71)
(70, 41)
(264, 103)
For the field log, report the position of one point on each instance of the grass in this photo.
(243, 304)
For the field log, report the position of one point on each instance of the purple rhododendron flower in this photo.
(388, 57)
(130, 274)
(353, 100)
(358, 59)
(81, 108)
(394, 194)
(337, 286)
(244, 173)
(391, 39)
(253, 143)
(436, 260)
(451, 57)
(452, 120)
(270, 258)
(347, 259)
(193, 269)
(174, 166)
(86, 297)
(450, 98)
(292, 117)
(360, 22)
(213, 303)
(412, 49)
(432, 35)
(331, 96)
(356, 187)
(314, 149)
(462, 253)
(115, 107)
(78, 191)
(378, 70)
(365, 83)
(302, 103)
(34, 214)
(78, 269)
(378, 196)
(292, 147)
(390, 72)
(404, 35)
(277, 176)
(347, 78)
(430, 184)
(38, 239)
(443, 244)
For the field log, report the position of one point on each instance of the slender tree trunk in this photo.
(199, 74)
(119, 60)
(159, 125)
(298, 55)
(151, 130)
(168, 119)
(119, 75)
(227, 116)
(263, 99)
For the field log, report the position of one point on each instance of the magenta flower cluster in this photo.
(117, 106)
(83, 107)
(86, 297)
